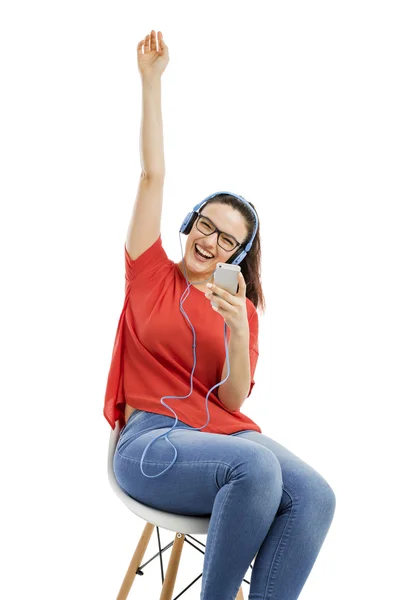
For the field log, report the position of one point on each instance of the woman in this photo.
(263, 500)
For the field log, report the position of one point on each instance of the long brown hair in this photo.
(251, 265)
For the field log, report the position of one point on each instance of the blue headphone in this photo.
(235, 259)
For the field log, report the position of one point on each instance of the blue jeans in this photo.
(262, 500)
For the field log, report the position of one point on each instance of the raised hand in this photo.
(152, 62)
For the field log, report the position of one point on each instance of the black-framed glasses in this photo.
(225, 241)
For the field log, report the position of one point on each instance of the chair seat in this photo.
(173, 522)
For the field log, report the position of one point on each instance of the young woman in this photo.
(263, 500)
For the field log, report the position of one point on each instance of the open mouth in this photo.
(199, 254)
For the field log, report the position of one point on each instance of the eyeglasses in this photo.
(207, 227)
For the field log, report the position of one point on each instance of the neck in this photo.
(201, 276)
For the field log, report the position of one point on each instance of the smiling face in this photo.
(231, 222)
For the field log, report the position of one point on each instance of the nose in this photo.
(207, 246)
(209, 240)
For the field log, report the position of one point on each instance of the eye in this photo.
(228, 241)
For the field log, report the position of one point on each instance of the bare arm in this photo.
(234, 391)
(151, 134)
(145, 224)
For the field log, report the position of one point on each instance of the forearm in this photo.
(151, 134)
(234, 391)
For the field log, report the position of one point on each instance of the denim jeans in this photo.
(263, 502)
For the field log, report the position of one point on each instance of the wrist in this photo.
(241, 332)
(152, 79)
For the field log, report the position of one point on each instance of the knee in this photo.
(262, 466)
(329, 499)
(322, 496)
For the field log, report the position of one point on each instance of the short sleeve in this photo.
(253, 347)
(150, 260)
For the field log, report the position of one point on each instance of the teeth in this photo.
(203, 252)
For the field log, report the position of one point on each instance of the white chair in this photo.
(184, 525)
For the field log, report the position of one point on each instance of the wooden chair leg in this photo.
(135, 562)
(172, 570)
(173, 565)
(240, 594)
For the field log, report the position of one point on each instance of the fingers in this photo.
(153, 45)
(149, 42)
(224, 295)
(144, 43)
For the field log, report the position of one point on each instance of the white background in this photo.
(293, 105)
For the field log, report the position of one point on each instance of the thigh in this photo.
(204, 463)
(283, 454)
(300, 480)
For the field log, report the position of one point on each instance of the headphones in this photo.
(191, 217)
(235, 259)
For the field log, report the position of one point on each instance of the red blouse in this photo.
(153, 355)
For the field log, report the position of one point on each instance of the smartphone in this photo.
(226, 276)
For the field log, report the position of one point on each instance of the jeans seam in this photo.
(189, 462)
(276, 559)
(210, 559)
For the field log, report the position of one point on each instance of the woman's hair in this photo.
(251, 265)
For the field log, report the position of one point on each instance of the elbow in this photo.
(231, 404)
(152, 175)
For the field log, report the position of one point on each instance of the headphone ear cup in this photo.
(232, 258)
(241, 254)
(188, 228)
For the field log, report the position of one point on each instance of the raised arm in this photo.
(145, 224)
